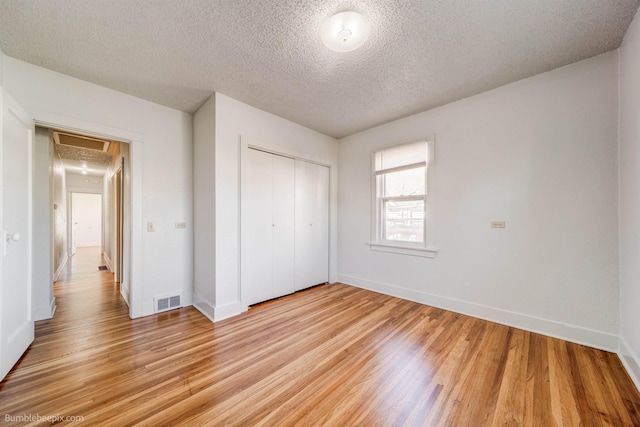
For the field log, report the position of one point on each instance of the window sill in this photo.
(404, 250)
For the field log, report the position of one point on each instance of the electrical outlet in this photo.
(181, 225)
(498, 224)
(151, 227)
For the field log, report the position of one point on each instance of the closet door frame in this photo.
(249, 143)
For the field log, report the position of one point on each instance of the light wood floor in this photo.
(333, 355)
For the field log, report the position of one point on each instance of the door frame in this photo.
(135, 141)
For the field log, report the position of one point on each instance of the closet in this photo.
(285, 225)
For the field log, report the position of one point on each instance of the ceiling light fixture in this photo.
(345, 31)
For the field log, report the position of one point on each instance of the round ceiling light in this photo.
(345, 31)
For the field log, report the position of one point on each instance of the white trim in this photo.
(577, 334)
(222, 312)
(256, 144)
(404, 250)
(53, 307)
(126, 294)
(630, 361)
(136, 278)
(44, 312)
(216, 314)
(135, 141)
(63, 264)
(30, 151)
(107, 260)
(204, 307)
(73, 125)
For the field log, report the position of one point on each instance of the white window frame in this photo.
(425, 248)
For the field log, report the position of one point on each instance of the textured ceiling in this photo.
(80, 160)
(420, 54)
(73, 158)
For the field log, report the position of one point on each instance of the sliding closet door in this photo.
(268, 227)
(312, 224)
(257, 228)
(282, 213)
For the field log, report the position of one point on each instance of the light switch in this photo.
(498, 224)
(181, 225)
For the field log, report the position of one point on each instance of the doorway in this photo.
(89, 180)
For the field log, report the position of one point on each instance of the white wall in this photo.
(629, 175)
(204, 202)
(234, 120)
(166, 162)
(541, 155)
(77, 183)
(42, 276)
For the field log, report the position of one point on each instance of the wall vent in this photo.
(166, 303)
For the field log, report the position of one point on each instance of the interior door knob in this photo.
(15, 237)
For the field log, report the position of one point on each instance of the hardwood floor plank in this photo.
(333, 355)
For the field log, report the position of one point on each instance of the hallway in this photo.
(85, 360)
(83, 292)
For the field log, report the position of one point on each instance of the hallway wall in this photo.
(42, 272)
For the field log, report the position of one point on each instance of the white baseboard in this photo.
(62, 265)
(107, 260)
(45, 312)
(216, 313)
(204, 307)
(592, 338)
(229, 310)
(630, 361)
(124, 291)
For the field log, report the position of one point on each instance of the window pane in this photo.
(409, 182)
(404, 220)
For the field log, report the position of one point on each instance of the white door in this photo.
(311, 224)
(87, 219)
(16, 324)
(283, 206)
(256, 230)
(267, 227)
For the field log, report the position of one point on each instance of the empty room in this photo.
(331, 213)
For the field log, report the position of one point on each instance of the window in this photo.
(401, 204)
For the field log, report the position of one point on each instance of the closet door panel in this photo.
(304, 225)
(320, 234)
(283, 205)
(258, 228)
(312, 224)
